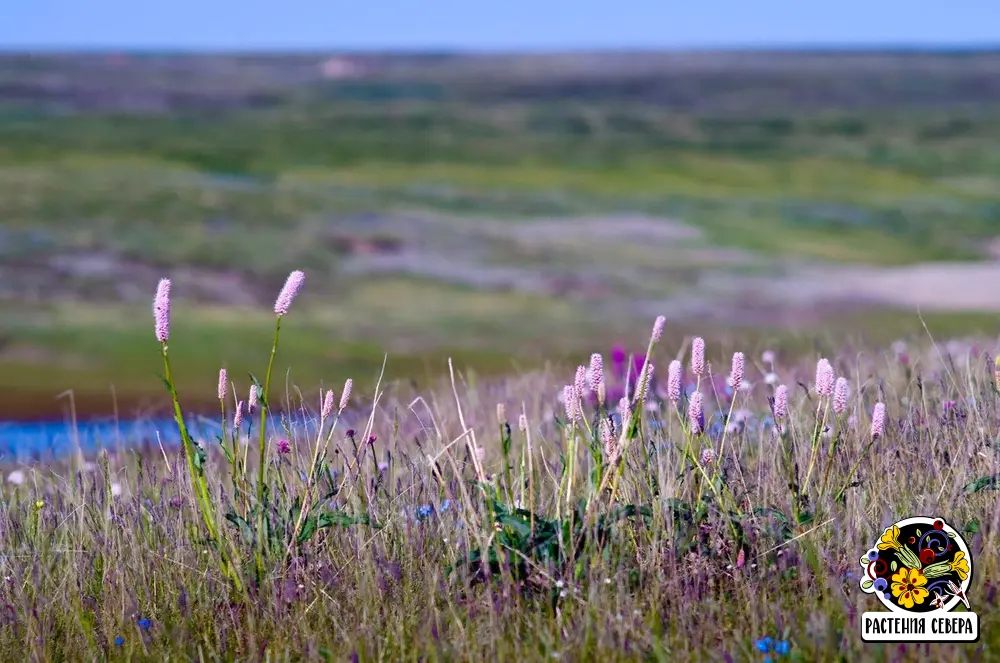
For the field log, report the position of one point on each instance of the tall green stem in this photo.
(197, 475)
(265, 406)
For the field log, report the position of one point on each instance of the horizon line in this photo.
(817, 48)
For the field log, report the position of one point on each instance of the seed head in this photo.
(698, 356)
(501, 414)
(345, 397)
(253, 400)
(840, 395)
(161, 310)
(658, 328)
(674, 381)
(781, 402)
(696, 415)
(522, 423)
(223, 384)
(878, 421)
(736, 375)
(287, 295)
(238, 415)
(824, 378)
(328, 403)
(707, 456)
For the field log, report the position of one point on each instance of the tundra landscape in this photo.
(617, 356)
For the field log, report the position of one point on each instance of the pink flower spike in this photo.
(328, 404)
(698, 356)
(736, 376)
(253, 400)
(645, 379)
(223, 384)
(658, 328)
(345, 397)
(625, 411)
(284, 446)
(840, 390)
(824, 378)
(696, 415)
(238, 415)
(571, 401)
(781, 402)
(878, 421)
(161, 310)
(288, 292)
(596, 373)
(580, 380)
(674, 381)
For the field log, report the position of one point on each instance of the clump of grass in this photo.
(672, 523)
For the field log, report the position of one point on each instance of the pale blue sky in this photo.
(493, 25)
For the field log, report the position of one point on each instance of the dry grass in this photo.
(83, 564)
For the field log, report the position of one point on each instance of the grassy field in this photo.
(437, 217)
(488, 520)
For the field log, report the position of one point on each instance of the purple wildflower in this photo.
(696, 415)
(824, 378)
(161, 310)
(878, 421)
(345, 397)
(698, 356)
(658, 328)
(840, 396)
(284, 446)
(674, 381)
(781, 402)
(287, 295)
(253, 400)
(736, 375)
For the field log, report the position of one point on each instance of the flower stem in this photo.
(265, 406)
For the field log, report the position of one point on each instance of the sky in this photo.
(493, 25)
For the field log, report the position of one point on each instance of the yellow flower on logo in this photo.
(890, 539)
(960, 565)
(908, 587)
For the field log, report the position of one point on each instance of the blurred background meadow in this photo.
(502, 209)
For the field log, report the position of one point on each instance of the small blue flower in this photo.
(872, 555)
(445, 505)
(782, 648)
(764, 645)
(119, 641)
(768, 659)
(881, 584)
(144, 624)
(424, 511)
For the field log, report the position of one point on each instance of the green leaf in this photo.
(242, 525)
(971, 527)
(990, 482)
(893, 566)
(517, 523)
(308, 529)
(867, 584)
(865, 561)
